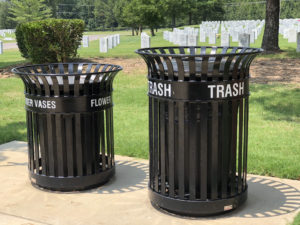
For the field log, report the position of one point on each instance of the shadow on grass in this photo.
(4, 65)
(13, 131)
(280, 103)
(285, 53)
(291, 53)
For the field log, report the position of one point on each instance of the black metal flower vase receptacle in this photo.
(198, 127)
(69, 124)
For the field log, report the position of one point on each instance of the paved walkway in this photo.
(124, 200)
(10, 45)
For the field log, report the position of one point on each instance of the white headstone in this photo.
(85, 41)
(166, 35)
(183, 39)
(145, 40)
(298, 42)
(176, 38)
(118, 38)
(252, 37)
(114, 41)
(202, 36)
(285, 33)
(225, 39)
(212, 38)
(255, 34)
(235, 36)
(1, 47)
(292, 35)
(171, 36)
(192, 40)
(110, 42)
(103, 44)
(244, 40)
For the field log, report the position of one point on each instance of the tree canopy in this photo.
(139, 14)
(29, 10)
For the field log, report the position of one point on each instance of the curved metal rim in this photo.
(140, 51)
(15, 70)
(72, 183)
(196, 208)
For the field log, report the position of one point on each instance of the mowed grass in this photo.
(274, 123)
(130, 43)
(296, 220)
(11, 57)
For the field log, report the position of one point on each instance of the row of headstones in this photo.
(109, 42)
(3, 32)
(186, 37)
(233, 29)
(183, 39)
(289, 29)
(105, 43)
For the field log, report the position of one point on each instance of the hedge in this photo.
(50, 40)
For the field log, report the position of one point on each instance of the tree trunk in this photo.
(156, 29)
(132, 31)
(173, 22)
(140, 29)
(152, 32)
(270, 39)
(136, 31)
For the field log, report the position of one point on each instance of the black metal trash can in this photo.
(198, 127)
(69, 124)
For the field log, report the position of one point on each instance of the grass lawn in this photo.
(296, 220)
(130, 43)
(11, 57)
(274, 128)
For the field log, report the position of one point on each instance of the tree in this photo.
(151, 13)
(105, 14)
(29, 10)
(67, 9)
(191, 9)
(270, 38)
(131, 15)
(86, 13)
(210, 10)
(5, 21)
(174, 9)
(53, 4)
(244, 10)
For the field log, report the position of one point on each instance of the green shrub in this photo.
(50, 40)
(20, 41)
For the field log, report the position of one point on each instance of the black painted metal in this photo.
(69, 124)
(198, 120)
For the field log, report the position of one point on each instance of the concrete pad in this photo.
(124, 200)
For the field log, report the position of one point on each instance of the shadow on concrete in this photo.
(267, 198)
(14, 164)
(130, 176)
